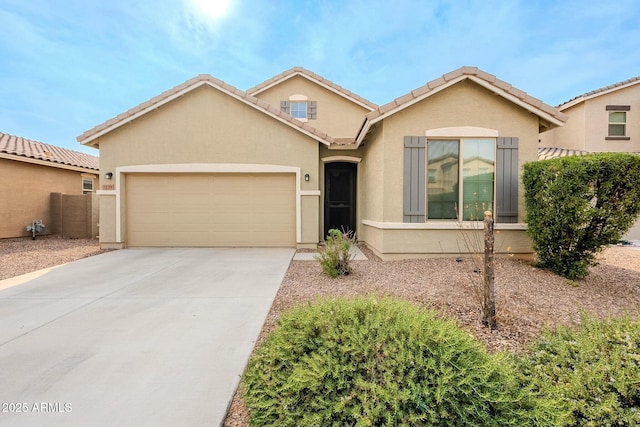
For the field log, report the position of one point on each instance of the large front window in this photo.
(461, 178)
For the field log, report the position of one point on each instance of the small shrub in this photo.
(381, 362)
(336, 257)
(594, 372)
(577, 205)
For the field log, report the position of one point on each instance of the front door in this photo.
(339, 196)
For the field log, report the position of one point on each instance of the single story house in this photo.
(29, 172)
(207, 164)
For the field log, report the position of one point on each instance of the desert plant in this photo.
(577, 205)
(381, 362)
(336, 257)
(593, 372)
(36, 227)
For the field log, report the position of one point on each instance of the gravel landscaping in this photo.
(527, 298)
(24, 255)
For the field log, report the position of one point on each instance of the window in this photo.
(463, 176)
(617, 123)
(617, 128)
(87, 185)
(299, 110)
(432, 175)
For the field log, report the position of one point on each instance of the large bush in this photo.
(578, 205)
(594, 373)
(381, 362)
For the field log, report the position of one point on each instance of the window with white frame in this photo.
(617, 121)
(87, 185)
(298, 109)
(461, 178)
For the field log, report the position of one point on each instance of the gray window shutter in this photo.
(312, 110)
(284, 107)
(414, 179)
(507, 178)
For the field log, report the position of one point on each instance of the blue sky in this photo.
(69, 65)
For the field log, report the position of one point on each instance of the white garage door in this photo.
(210, 210)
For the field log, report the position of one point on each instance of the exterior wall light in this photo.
(306, 177)
(108, 175)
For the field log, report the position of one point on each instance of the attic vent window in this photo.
(299, 107)
(299, 110)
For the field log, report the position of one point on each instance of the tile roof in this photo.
(545, 153)
(200, 80)
(22, 147)
(463, 72)
(599, 91)
(485, 79)
(300, 71)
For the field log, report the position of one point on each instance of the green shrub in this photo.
(594, 372)
(336, 257)
(381, 362)
(577, 205)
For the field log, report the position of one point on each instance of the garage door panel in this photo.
(210, 210)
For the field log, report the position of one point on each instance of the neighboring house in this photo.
(206, 164)
(29, 172)
(603, 120)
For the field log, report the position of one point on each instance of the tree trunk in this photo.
(489, 299)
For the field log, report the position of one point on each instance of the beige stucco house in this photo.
(206, 164)
(29, 172)
(602, 120)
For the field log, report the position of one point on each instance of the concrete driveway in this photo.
(136, 337)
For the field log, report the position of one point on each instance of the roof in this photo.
(598, 92)
(546, 153)
(545, 112)
(90, 137)
(309, 75)
(23, 149)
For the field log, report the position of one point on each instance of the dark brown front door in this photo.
(339, 196)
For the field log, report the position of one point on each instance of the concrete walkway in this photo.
(136, 337)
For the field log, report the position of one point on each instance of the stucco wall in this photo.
(587, 127)
(597, 120)
(25, 194)
(463, 104)
(207, 126)
(337, 116)
(382, 169)
(571, 135)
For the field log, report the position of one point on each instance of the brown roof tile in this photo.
(23, 147)
(466, 71)
(309, 74)
(545, 153)
(191, 84)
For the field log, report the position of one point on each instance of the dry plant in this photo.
(478, 240)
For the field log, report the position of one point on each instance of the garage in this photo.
(218, 209)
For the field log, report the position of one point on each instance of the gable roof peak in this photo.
(89, 137)
(318, 79)
(489, 81)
